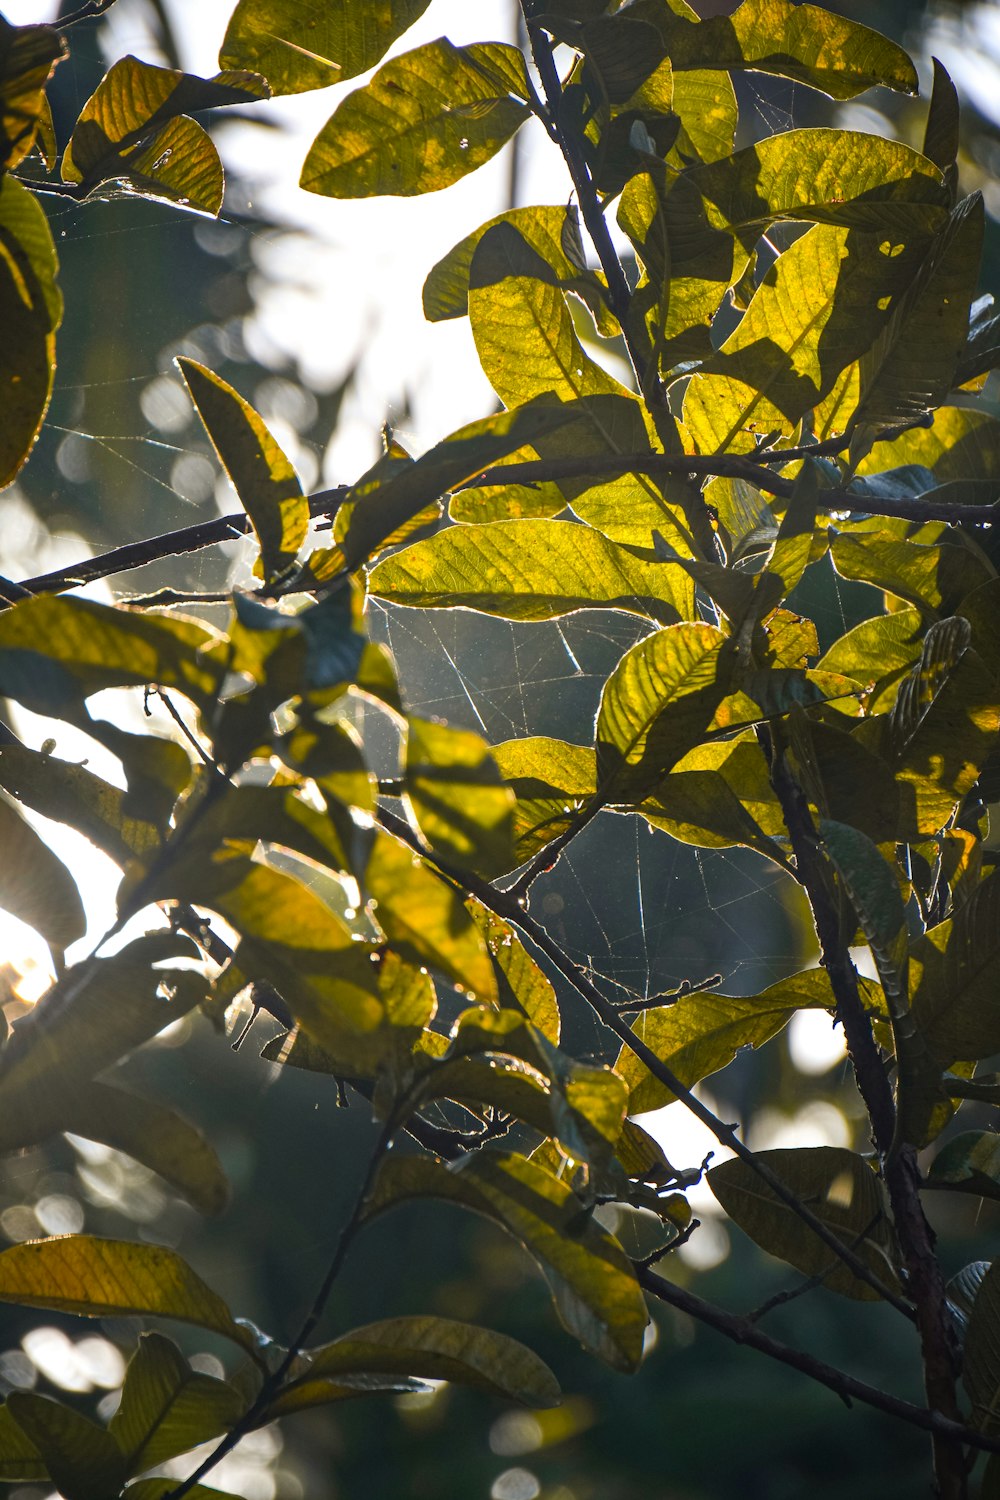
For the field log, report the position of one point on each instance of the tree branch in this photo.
(847, 1387)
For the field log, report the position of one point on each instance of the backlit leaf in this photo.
(101, 1278)
(593, 1284)
(262, 476)
(550, 779)
(166, 1407)
(439, 1349)
(30, 312)
(35, 885)
(659, 702)
(699, 1034)
(27, 57)
(426, 119)
(840, 1188)
(530, 570)
(521, 983)
(311, 45)
(458, 797)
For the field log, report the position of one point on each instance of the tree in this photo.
(377, 902)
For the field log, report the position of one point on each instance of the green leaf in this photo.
(960, 443)
(659, 702)
(377, 508)
(817, 309)
(596, 1294)
(135, 128)
(426, 119)
(35, 885)
(438, 1349)
(19, 1458)
(705, 104)
(942, 726)
(838, 56)
(30, 312)
(530, 570)
(953, 978)
(874, 893)
(553, 233)
(27, 57)
(941, 133)
(299, 46)
(262, 476)
(101, 1278)
(968, 1163)
(424, 915)
(516, 300)
(934, 578)
(718, 795)
(55, 651)
(458, 797)
(839, 1187)
(911, 365)
(522, 984)
(878, 652)
(71, 794)
(550, 779)
(100, 1011)
(699, 1034)
(152, 1134)
(166, 1407)
(981, 1361)
(82, 1458)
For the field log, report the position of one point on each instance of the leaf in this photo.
(69, 793)
(152, 1134)
(515, 300)
(96, 1015)
(839, 1187)
(160, 1489)
(658, 704)
(377, 509)
(960, 443)
(968, 1163)
(935, 579)
(81, 1458)
(553, 233)
(458, 797)
(299, 46)
(27, 56)
(596, 1294)
(981, 1361)
(838, 56)
(953, 968)
(134, 127)
(699, 1034)
(941, 133)
(30, 313)
(19, 1458)
(422, 914)
(522, 984)
(911, 365)
(941, 727)
(874, 893)
(878, 652)
(55, 651)
(426, 119)
(35, 885)
(530, 570)
(434, 1348)
(262, 476)
(166, 1407)
(102, 1278)
(550, 779)
(717, 795)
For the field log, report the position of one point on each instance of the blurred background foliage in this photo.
(121, 458)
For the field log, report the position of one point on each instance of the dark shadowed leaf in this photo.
(839, 1187)
(35, 885)
(83, 1459)
(981, 1364)
(166, 1407)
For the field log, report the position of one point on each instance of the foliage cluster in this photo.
(381, 911)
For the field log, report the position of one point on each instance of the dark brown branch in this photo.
(847, 1387)
(925, 1281)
